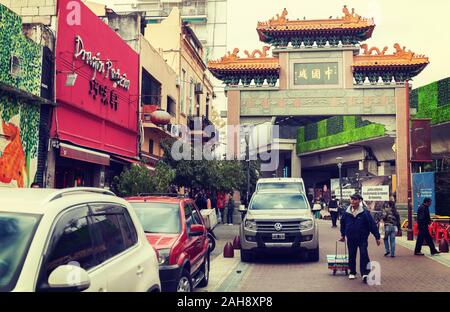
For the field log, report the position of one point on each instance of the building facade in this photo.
(95, 124)
(25, 99)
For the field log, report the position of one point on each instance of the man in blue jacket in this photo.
(356, 225)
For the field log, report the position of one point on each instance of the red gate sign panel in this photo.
(421, 140)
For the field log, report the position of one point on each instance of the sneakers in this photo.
(435, 253)
(364, 279)
(387, 253)
(352, 276)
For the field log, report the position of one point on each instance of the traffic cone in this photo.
(443, 245)
(228, 251)
(237, 242)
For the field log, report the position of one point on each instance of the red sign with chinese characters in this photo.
(421, 140)
(100, 109)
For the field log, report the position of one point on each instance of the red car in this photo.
(175, 228)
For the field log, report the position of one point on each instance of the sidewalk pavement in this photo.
(443, 258)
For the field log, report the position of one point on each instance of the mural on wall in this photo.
(19, 129)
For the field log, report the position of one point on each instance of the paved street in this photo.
(406, 272)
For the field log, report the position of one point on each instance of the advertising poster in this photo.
(424, 186)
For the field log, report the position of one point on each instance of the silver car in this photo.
(279, 220)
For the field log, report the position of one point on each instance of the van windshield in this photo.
(281, 185)
(278, 201)
(16, 233)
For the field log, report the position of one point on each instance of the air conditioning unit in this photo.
(178, 81)
(198, 88)
(15, 66)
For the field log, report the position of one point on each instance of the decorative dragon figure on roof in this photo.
(368, 51)
(261, 54)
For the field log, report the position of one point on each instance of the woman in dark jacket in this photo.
(391, 221)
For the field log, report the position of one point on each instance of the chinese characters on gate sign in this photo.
(107, 97)
(316, 74)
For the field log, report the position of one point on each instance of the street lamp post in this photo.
(339, 161)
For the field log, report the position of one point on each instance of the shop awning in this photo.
(135, 161)
(78, 153)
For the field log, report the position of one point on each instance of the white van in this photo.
(281, 183)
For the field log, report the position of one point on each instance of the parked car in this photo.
(77, 239)
(175, 227)
(281, 183)
(279, 220)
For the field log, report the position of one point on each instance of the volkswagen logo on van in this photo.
(278, 227)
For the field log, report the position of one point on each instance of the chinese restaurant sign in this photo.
(316, 74)
(100, 110)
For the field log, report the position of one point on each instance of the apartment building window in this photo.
(183, 92)
(151, 89)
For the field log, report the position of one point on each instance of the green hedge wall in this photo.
(311, 131)
(353, 135)
(322, 128)
(349, 122)
(434, 101)
(335, 125)
(414, 99)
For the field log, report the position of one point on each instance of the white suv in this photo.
(73, 240)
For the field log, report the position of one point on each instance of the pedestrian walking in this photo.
(221, 202)
(356, 225)
(317, 207)
(230, 209)
(391, 220)
(423, 220)
(201, 201)
(333, 208)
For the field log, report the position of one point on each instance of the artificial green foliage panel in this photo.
(13, 42)
(428, 97)
(349, 122)
(350, 136)
(311, 131)
(444, 92)
(335, 125)
(322, 128)
(301, 134)
(434, 101)
(22, 114)
(414, 99)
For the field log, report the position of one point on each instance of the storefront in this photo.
(97, 85)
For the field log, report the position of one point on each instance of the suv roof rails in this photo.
(73, 190)
(162, 194)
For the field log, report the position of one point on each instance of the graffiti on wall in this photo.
(19, 118)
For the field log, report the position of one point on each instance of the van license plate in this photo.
(278, 236)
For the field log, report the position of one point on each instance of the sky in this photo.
(422, 27)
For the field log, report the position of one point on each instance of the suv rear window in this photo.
(161, 218)
(278, 201)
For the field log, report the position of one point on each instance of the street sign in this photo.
(375, 193)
